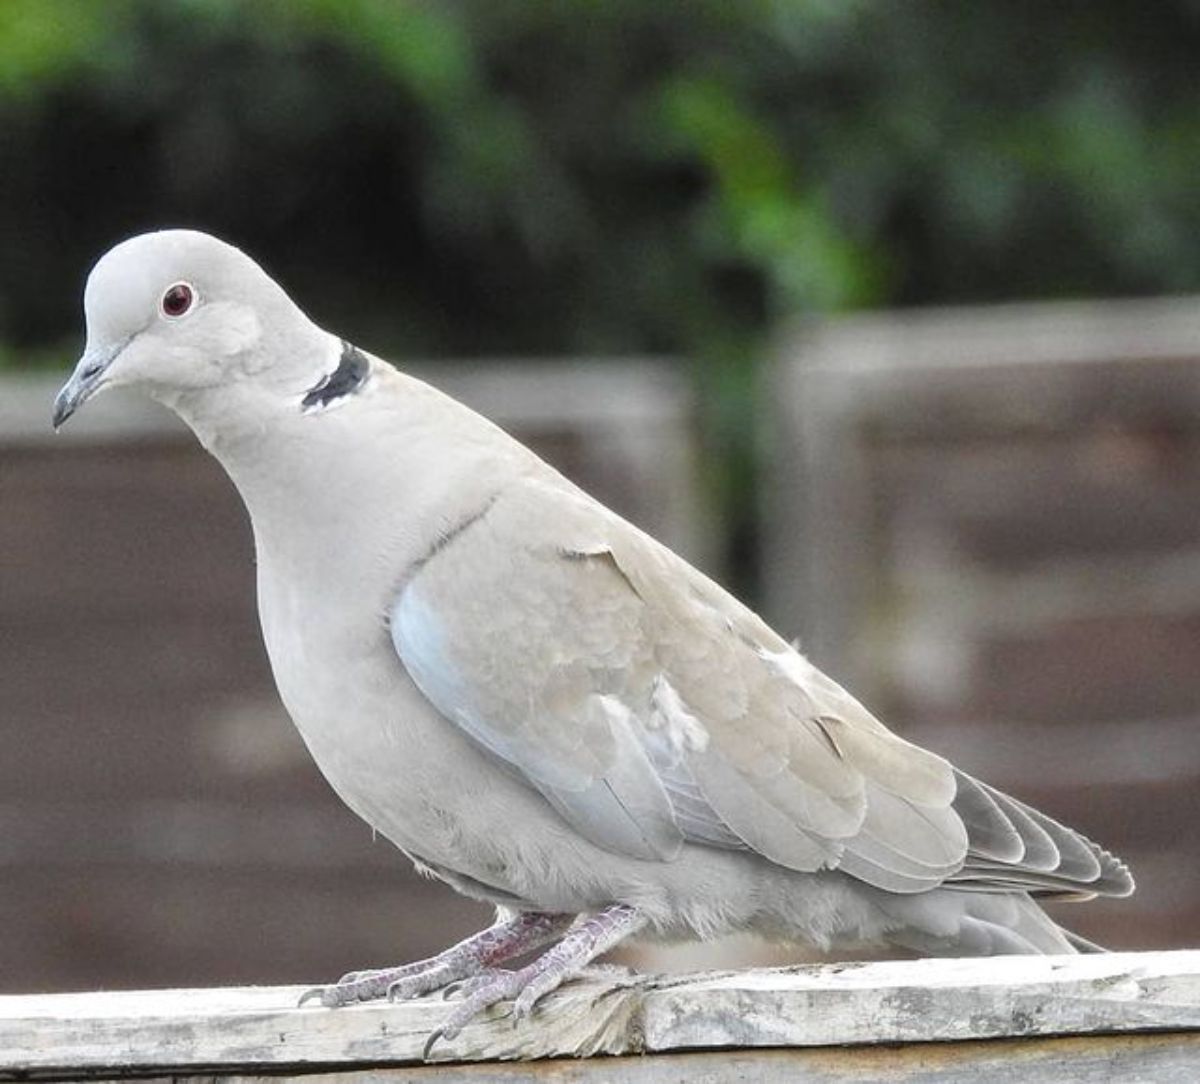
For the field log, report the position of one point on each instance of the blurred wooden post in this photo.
(1011, 1019)
(854, 402)
(984, 521)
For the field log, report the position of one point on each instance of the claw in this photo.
(434, 1036)
(524, 1005)
(317, 993)
(484, 992)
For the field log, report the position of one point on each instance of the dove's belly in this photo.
(391, 757)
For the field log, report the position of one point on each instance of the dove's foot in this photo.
(503, 941)
(586, 940)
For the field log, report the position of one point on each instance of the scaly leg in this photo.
(499, 942)
(586, 940)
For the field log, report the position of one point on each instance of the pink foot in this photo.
(586, 940)
(503, 941)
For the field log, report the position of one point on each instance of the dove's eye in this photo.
(177, 299)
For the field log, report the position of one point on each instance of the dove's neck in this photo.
(394, 458)
(265, 384)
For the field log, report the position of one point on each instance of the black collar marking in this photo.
(347, 378)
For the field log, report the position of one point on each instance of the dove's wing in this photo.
(650, 707)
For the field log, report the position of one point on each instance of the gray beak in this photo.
(84, 383)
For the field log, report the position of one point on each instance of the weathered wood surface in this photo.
(959, 1002)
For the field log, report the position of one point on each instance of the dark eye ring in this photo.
(177, 300)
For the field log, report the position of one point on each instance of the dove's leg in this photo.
(502, 941)
(587, 939)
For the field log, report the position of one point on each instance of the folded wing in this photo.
(651, 708)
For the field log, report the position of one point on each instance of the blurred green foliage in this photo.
(603, 176)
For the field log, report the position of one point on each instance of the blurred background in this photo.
(879, 312)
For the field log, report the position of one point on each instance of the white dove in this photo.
(531, 698)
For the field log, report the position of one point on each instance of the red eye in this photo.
(178, 299)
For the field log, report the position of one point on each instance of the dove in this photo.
(534, 700)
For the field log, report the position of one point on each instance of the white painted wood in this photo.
(616, 1012)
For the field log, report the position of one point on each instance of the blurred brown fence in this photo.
(160, 821)
(987, 522)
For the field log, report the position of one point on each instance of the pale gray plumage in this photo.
(530, 696)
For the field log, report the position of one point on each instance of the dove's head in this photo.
(175, 312)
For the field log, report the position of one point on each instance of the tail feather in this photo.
(1013, 847)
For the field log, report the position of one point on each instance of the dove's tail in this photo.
(1016, 858)
(1012, 847)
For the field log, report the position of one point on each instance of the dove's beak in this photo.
(85, 381)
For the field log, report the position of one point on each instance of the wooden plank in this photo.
(615, 1012)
